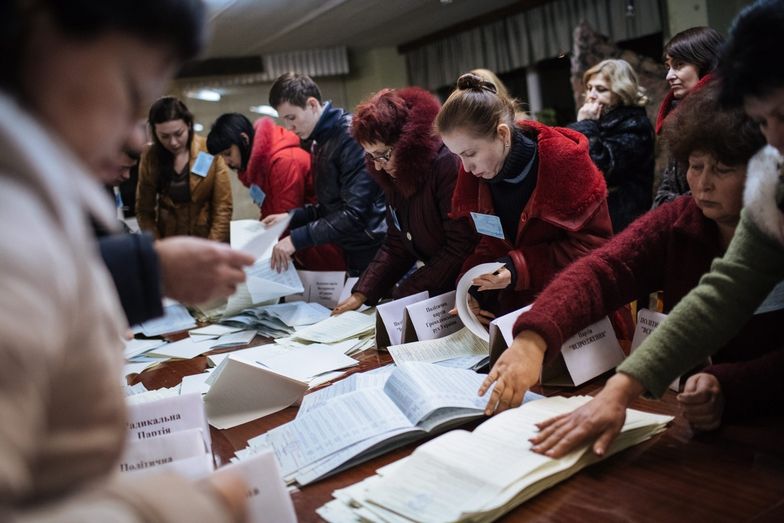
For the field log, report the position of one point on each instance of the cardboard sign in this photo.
(322, 287)
(647, 321)
(150, 454)
(501, 336)
(430, 319)
(167, 416)
(589, 353)
(268, 499)
(389, 319)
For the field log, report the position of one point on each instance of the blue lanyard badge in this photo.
(202, 165)
(488, 224)
(257, 195)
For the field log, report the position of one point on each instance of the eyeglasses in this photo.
(381, 158)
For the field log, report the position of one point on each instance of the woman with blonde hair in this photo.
(621, 138)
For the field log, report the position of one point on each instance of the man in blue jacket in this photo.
(351, 207)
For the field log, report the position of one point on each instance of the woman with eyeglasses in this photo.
(424, 248)
(532, 191)
(620, 138)
(182, 189)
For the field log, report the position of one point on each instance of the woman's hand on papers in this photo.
(600, 420)
(195, 270)
(351, 303)
(499, 279)
(272, 219)
(484, 317)
(702, 401)
(231, 491)
(514, 373)
(281, 253)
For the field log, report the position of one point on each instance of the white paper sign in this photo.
(647, 321)
(350, 282)
(322, 287)
(501, 336)
(167, 416)
(265, 283)
(468, 318)
(430, 318)
(592, 351)
(152, 453)
(391, 315)
(268, 499)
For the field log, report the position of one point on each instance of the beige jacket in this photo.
(207, 214)
(62, 410)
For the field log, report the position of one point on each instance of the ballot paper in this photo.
(307, 362)
(243, 391)
(351, 424)
(185, 348)
(265, 283)
(135, 347)
(195, 383)
(479, 475)
(254, 238)
(467, 316)
(175, 318)
(214, 331)
(234, 339)
(338, 328)
(268, 499)
(460, 344)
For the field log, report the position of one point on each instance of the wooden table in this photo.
(733, 474)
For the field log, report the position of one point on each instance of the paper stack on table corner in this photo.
(479, 475)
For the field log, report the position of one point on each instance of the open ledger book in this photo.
(479, 475)
(353, 421)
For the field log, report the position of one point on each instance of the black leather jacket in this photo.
(351, 206)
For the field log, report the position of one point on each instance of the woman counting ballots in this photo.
(620, 138)
(418, 174)
(667, 249)
(532, 191)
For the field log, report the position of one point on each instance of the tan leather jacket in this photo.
(207, 215)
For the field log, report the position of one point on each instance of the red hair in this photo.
(380, 118)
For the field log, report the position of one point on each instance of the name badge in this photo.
(488, 224)
(257, 195)
(202, 165)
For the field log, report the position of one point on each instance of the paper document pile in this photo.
(361, 417)
(282, 319)
(479, 475)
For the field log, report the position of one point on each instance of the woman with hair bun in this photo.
(532, 191)
(620, 138)
(417, 173)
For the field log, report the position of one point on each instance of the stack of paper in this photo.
(352, 421)
(175, 318)
(462, 348)
(350, 324)
(282, 319)
(464, 476)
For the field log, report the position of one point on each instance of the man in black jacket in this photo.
(351, 207)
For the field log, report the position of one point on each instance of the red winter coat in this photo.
(667, 249)
(419, 199)
(280, 167)
(565, 217)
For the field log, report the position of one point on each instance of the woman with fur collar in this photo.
(532, 190)
(751, 75)
(418, 175)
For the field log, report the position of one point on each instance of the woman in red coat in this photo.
(533, 193)
(417, 174)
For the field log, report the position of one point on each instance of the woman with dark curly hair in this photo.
(620, 138)
(418, 174)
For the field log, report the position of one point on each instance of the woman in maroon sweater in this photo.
(668, 249)
(417, 174)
